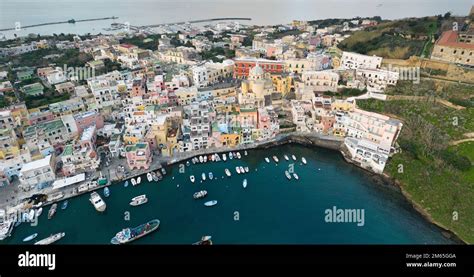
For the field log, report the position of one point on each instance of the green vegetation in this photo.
(144, 42)
(211, 54)
(49, 97)
(322, 23)
(437, 176)
(280, 34)
(346, 92)
(395, 39)
(70, 57)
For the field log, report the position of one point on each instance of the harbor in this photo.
(271, 209)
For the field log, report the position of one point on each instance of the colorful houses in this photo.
(138, 156)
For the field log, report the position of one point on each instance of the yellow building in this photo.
(9, 146)
(282, 84)
(229, 139)
(342, 105)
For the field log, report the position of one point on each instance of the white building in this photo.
(211, 73)
(38, 172)
(351, 60)
(320, 80)
(196, 126)
(377, 80)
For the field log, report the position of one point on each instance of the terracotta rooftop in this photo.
(450, 38)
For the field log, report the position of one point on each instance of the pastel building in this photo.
(38, 172)
(352, 60)
(138, 156)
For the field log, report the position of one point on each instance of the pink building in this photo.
(40, 117)
(88, 119)
(138, 88)
(138, 156)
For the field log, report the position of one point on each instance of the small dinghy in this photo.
(149, 177)
(134, 182)
(267, 159)
(296, 176)
(203, 176)
(275, 158)
(245, 153)
(303, 160)
(210, 203)
(293, 157)
(246, 169)
(242, 170)
(224, 158)
(139, 180)
(192, 178)
(244, 183)
(211, 176)
(286, 157)
(52, 210)
(288, 175)
(30, 237)
(125, 184)
(64, 205)
(106, 192)
(227, 172)
(163, 171)
(238, 155)
(231, 156)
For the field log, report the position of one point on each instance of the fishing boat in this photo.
(211, 176)
(149, 177)
(97, 202)
(106, 192)
(275, 158)
(303, 160)
(125, 184)
(296, 176)
(244, 183)
(286, 157)
(30, 237)
(210, 203)
(201, 159)
(227, 172)
(192, 178)
(206, 240)
(131, 234)
(288, 175)
(50, 239)
(134, 183)
(139, 200)
(6, 228)
(224, 158)
(237, 169)
(52, 210)
(293, 157)
(238, 155)
(64, 205)
(231, 156)
(245, 153)
(203, 176)
(267, 159)
(246, 169)
(39, 212)
(139, 180)
(163, 171)
(200, 194)
(242, 170)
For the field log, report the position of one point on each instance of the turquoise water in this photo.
(271, 210)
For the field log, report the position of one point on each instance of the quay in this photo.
(71, 21)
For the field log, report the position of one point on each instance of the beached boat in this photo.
(296, 176)
(30, 237)
(293, 157)
(210, 203)
(224, 157)
(303, 160)
(237, 169)
(6, 228)
(288, 175)
(238, 155)
(275, 158)
(97, 202)
(244, 183)
(134, 182)
(64, 205)
(267, 159)
(125, 184)
(131, 234)
(139, 180)
(286, 157)
(149, 177)
(227, 172)
(211, 176)
(192, 178)
(139, 200)
(106, 192)
(246, 169)
(200, 194)
(52, 210)
(203, 176)
(206, 240)
(50, 239)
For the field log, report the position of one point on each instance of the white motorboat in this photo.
(203, 176)
(237, 169)
(139, 200)
(97, 202)
(293, 157)
(286, 157)
(139, 180)
(238, 155)
(50, 239)
(201, 159)
(134, 183)
(31, 215)
(303, 160)
(275, 158)
(83, 188)
(149, 177)
(210, 203)
(244, 183)
(30, 237)
(267, 159)
(205, 159)
(242, 170)
(192, 178)
(52, 210)
(288, 175)
(200, 194)
(213, 158)
(39, 212)
(246, 169)
(296, 176)
(231, 156)
(245, 153)
(224, 158)
(227, 172)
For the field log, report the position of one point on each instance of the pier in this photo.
(71, 21)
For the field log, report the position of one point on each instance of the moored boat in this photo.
(238, 155)
(293, 157)
(201, 159)
(64, 205)
(30, 237)
(227, 172)
(275, 158)
(125, 184)
(154, 176)
(139, 200)
(52, 210)
(296, 176)
(288, 175)
(131, 234)
(149, 177)
(159, 176)
(286, 157)
(203, 176)
(242, 170)
(134, 182)
(244, 183)
(224, 157)
(39, 212)
(211, 176)
(97, 202)
(192, 178)
(204, 158)
(231, 156)
(267, 159)
(206, 240)
(200, 194)
(303, 160)
(213, 158)
(139, 180)
(106, 192)
(245, 153)
(163, 171)
(246, 169)
(50, 239)
(210, 203)
(237, 169)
